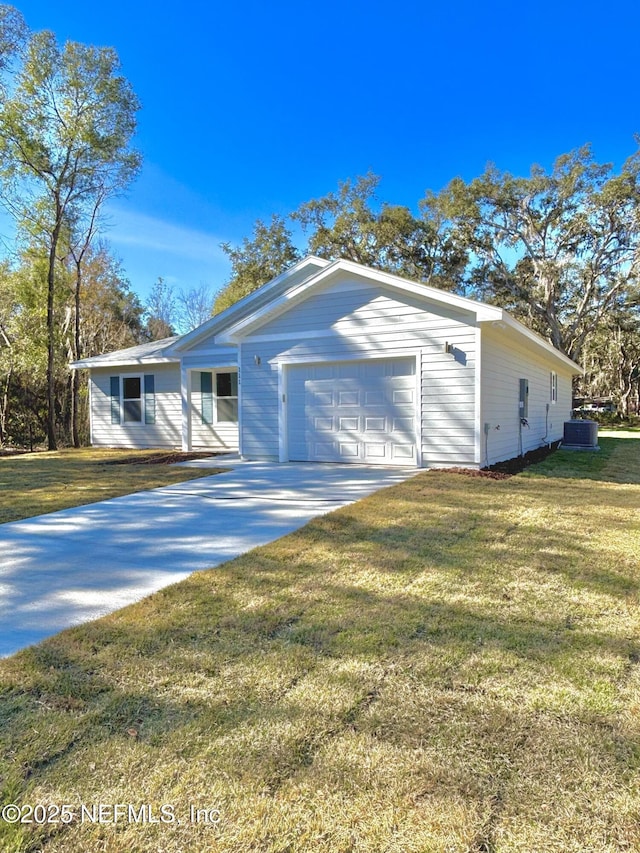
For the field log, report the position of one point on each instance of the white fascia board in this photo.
(90, 364)
(225, 317)
(237, 331)
(509, 322)
(432, 294)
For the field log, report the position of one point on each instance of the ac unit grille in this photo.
(581, 433)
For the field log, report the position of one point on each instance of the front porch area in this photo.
(210, 409)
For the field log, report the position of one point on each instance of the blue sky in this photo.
(253, 108)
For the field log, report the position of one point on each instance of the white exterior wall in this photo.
(166, 432)
(356, 320)
(505, 359)
(208, 357)
(259, 402)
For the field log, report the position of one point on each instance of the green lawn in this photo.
(35, 483)
(452, 664)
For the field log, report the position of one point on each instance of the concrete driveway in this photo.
(68, 567)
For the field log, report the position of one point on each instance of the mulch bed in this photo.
(506, 469)
(169, 457)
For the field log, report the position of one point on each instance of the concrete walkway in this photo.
(68, 567)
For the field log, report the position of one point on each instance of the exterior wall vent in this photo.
(580, 435)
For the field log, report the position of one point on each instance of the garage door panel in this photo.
(402, 367)
(323, 424)
(403, 425)
(353, 412)
(375, 424)
(323, 371)
(373, 369)
(404, 395)
(349, 449)
(404, 452)
(321, 398)
(374, 398)
(323, 450)
(375, 451)
(349, 424)
(348, 398)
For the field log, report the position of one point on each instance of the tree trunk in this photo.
(75, 380)
(51, 348)
(4, 407)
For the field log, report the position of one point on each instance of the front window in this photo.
(227, 396)
(132, 399)
(219, 397)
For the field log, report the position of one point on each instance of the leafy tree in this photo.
(8, 311)
(13, 33)
(611, 358)
(350, 224)
(111, 319)
(24, 361)
(65, 133)
(112, 314)
(257, 260)
(559, 249)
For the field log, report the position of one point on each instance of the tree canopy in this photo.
(257, 260)
(559, 248)
(67, 118)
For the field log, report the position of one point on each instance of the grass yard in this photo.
(35, 483)
(452, 664)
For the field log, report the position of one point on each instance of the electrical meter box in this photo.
(523, 400)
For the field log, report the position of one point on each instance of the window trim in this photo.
(209, 396)
(553, 387)
(147, 399)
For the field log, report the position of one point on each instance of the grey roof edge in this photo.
(153, 352)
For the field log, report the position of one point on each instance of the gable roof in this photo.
(153, 352)
(252, 320)
(255, 301)
(292, 287)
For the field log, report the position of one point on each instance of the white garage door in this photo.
(361, 412)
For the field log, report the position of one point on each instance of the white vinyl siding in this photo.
(448, 399)
(165, 432)
(505, 360)
(259, 405)
(354, 320)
